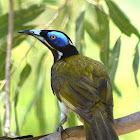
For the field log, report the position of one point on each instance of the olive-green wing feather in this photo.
(86, 90)
(81, 84)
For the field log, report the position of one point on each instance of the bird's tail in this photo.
(101, 127)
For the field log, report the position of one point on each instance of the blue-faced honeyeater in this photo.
(81, 84)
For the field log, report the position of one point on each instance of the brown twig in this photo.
(7, 67)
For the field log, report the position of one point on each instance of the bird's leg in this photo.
(64, 115)
(63, 120)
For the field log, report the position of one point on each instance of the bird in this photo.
(81, 85)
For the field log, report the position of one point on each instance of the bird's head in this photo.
(58, 42)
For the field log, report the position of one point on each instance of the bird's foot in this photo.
(59, 128)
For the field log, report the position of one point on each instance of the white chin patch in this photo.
(43, 40)
(60, 54)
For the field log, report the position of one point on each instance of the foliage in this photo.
(84, 22)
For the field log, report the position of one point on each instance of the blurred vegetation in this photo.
(100, 29)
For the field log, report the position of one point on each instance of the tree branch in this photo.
(122, 126)
(127, 124)
(7, 67)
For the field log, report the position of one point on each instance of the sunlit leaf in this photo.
(67, 15)
(41, 76)
(116, 89)
(79, 33)
(103, 35)
(22, 17)
(120, 19)
(2, 64)
(16, 115)
(40, 102)
(61, 21)
(1, 132)
(17, 39)
(136, 63)
(39, 88)
(114, 59)
(50, 1)
(2, 96)
(92, 32)
(23, 77)
(27, 15)
(72, 120)
(1, 9)
(25, 74)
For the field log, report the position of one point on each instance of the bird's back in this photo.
(84, 72)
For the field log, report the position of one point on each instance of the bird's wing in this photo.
(81, 91)
(81, 97)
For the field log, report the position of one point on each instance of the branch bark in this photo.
(7, 67)
(122, 126)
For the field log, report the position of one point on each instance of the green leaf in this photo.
(2, 64)
(92, 32)
(24, 74)
(114, 59)
(22, 17)
(50, 1)
(1, 8)
(79, 32)
(72, 120)
(103, 35)
(1, 129)
(41, 76)
(16, 112)
(17, 38)
(136, 64)
(116, 89)
(39, 88)
(39, 103)
(120, 19)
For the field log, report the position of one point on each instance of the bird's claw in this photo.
(59, 129)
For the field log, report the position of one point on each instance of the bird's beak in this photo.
(30, 32)
(36, 34)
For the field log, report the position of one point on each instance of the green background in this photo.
(43, 116)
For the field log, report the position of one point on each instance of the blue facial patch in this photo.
(60, 39)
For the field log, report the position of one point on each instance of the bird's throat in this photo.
(64, 53)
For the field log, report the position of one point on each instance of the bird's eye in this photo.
(32, 32)
(53, 36)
